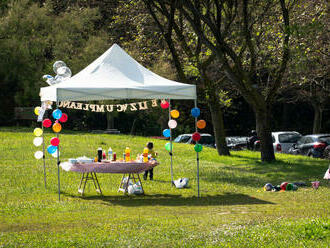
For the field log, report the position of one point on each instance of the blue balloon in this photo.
(167, 133)
(195, 112)
(51, 149)
(57, 114)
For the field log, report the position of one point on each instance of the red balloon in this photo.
(164, 104)
(54, 141)
(47, 123)
(283, 186)
(63, 118)
(196, 136)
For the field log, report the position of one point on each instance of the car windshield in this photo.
(289, 137)
(325, 139)
(182, 139)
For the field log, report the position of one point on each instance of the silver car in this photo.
(283, 141)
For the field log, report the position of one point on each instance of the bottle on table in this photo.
(99, 154)
(127, 154)
(145, 155)
(110, 154)
(114, 156)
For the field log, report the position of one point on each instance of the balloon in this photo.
(37, 141)
(167, 133)
(289, 186)
(201, 124)
(51, 149)
(57, 65)
(36, 110)
(172, 124)
(47, 123)
(58, 79)
(57, 127)
(37, 132)
(46, 77)
(195, 112)
(268, 187)
(196, 136)
(283, 185)
(174, 113)
(168, 147)
(55, 154)
(57, 114)
(63, 118)
(164, 104)
(64, 72)
(54, 141)
(38, 154)
(198, 147)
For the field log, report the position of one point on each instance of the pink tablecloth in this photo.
(113, 167)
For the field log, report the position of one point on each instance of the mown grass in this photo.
(233, 210)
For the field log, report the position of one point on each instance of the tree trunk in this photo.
(218, 124)
(264, 133)
(317, 123)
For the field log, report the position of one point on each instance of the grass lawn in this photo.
(233, 210)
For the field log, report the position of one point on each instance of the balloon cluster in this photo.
(201, 124)
(285, 186)
(62, 73)
(57, 127)
(171, 123)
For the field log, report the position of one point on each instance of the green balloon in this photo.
(198, 147)
(168, 147)
(289, 186)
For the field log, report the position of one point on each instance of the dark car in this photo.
(237, 142)
(312, 145)
(206, 139)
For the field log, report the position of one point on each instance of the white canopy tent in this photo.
(116, 75)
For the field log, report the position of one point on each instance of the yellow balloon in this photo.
(175, 113)
(36, 110)
(37, 131)
(57, 127)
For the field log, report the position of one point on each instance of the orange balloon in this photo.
(57, 127)
(201, 124)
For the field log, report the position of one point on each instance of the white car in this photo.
(206, 139)
(283, 141)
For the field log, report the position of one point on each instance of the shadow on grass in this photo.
(175, 200)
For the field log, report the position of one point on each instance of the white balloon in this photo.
(37, 141)
(47, 77)
(38, 154)
(58, 79)
(64, 72)
(55, 154)
(57, 65)
(172, 124)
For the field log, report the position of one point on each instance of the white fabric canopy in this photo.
(116, 75)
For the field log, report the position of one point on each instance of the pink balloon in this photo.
(172, 124)
(47, 123)
(63, 118)
(54, 141)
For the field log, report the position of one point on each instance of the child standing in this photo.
(153, 155)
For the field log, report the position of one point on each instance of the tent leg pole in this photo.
(43, 156)
(171, 151)
(197, 155)
(58, 165)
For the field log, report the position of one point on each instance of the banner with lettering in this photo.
(144, 105)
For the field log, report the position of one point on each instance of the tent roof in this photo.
(116, 75)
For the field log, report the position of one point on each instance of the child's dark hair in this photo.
(150, 145)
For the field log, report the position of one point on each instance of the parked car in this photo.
(283, 141)
(206, 139)
(237, 142)
(314, 145)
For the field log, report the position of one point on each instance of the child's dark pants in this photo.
(151, 171)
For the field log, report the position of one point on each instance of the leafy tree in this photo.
(251, 41)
